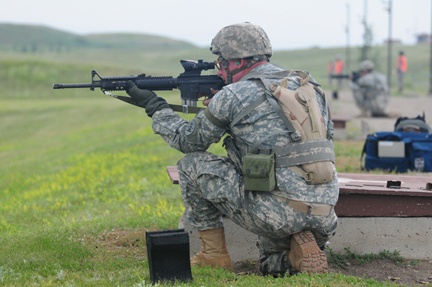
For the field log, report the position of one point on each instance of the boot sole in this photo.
(305, 255)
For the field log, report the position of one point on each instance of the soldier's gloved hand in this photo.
(145, 98)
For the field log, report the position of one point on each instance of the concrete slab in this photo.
(411, 237)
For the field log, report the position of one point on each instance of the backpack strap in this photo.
(247, 110)
(269, 88)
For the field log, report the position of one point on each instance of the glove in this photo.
(145, 99)
(355, 76)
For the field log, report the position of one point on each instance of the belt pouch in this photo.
(259, 172)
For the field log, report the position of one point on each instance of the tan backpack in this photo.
(311, 154)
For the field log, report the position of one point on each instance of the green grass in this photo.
(77, 170)
(83, 177)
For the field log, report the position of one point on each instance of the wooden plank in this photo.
(418, 185)
(173, 174)
(339, 122)
(376, 195)
(367, 195)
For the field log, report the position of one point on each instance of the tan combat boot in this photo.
(305, 255)
(213, 249)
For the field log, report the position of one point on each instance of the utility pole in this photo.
(430, 63)
(389, 44)
(347, 31)
(366, 35)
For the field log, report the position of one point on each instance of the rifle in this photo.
(353, 77)
(191, 83)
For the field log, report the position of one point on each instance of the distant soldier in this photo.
(339, 66)
(370, 91)
(401, 66)
(336, 68)
(330, 70)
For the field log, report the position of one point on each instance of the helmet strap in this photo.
(250, 62)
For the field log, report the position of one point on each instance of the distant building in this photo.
(423, 38)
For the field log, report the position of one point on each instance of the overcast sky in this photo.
(290, 24)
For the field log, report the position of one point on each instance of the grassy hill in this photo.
(31, 39)
(31, 75)
(35, 57)
(127, 41)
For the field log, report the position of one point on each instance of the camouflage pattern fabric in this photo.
(241, 40)
(211, 185)
(371, 93)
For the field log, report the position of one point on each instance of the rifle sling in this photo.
(177, 108)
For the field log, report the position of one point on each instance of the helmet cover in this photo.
(241, 40)
(367, 65)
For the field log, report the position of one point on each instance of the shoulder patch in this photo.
(190, 128)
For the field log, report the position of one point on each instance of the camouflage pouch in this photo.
(259, 172)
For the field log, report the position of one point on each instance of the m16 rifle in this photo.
(191, 83)
(353, 77)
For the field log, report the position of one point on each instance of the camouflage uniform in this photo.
(211, 185)
(371, 93)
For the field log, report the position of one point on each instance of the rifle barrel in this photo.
(340, 76)
(71, 86)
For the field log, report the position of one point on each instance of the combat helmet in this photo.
(241, 40)
(367, 65)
